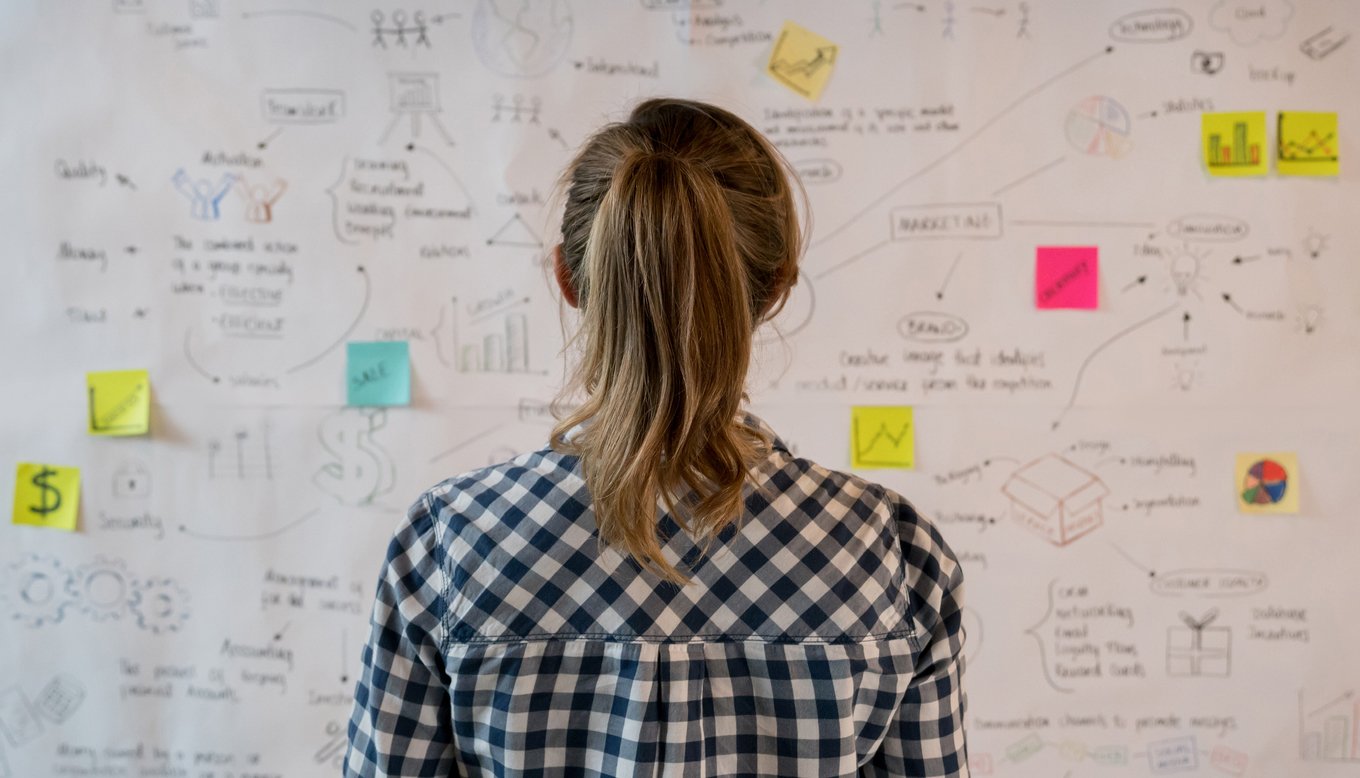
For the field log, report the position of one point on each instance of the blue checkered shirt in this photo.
(820, 637)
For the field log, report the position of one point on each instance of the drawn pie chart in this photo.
(1099, 126)
(1265, 483)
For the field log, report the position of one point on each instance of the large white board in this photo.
(225, 192)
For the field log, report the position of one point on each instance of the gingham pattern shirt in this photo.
(821, 637)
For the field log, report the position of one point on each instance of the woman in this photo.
(665, 589)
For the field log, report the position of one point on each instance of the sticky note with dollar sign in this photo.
(120, 402)
(47, 496)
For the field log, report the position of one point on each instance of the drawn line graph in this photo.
(1314, 148)
(805, 68)
(884, 446)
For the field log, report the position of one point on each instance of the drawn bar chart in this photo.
(506, 351)
(1239, 153)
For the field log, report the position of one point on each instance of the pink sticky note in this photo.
(1067, 277)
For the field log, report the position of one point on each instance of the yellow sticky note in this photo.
(47, 496)
(882, 436)
(1308, 144)
(120, 402)
(1268, 483)
(801, 60)
(1235, 143)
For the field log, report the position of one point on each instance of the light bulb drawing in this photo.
(1186, 269)
(1185, 375)
(1308, 319)
(1315, 243)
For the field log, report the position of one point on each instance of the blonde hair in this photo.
(680, 236)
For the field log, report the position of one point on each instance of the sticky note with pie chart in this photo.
(1268, 483)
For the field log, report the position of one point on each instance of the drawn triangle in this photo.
(515, 232)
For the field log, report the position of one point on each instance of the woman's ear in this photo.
(563, 274)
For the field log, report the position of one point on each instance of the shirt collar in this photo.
(745, 415)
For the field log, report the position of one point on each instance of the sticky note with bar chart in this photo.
(1235, 143)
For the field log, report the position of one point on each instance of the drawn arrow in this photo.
(130, 250)
(344, 659)
(912, 6)
(1151, 573)
(963, 143)
(190, 359)
(1239, 260)
(279, 635)
(557, 136)
(363, 308)
(1227, 298)
(265, 143)
(308, 14)
(1321, 708)
(299, 521)
(994, 460)
(1185, 321)
(1136, 282)
(439, 18)
(989, 11)
(939, 293)
(1148, 115)
(124, 181)
(1081, 372)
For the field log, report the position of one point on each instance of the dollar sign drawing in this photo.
(40, 481)
(360, 470)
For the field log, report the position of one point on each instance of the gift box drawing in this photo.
(1198, 649)
(1056, 499)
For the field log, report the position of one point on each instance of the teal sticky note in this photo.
(378, 373)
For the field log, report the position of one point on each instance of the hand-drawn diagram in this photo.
(522, 38)
(260, 198)
(39, 590)
(205, 196)
(22, 717)
(359, 469)
(397, 29)
(515, 233)
(246, 455)
(1328, 727)
(132, 480)
(517, 108)
(1056, 499)
(1208, 63)
(1099, 126)
(414, 96)
(1198, 649)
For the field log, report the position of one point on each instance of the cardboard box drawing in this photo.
(1056, 499)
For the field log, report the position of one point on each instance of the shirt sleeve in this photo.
(401, 720)
(926, 737)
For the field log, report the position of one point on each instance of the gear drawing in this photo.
(160, 605)
(102, 588)
(36, 590)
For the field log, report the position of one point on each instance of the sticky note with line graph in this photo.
(882, 436)
(1308, 144)
(119, 402)
(801, 60)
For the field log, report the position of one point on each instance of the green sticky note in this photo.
(47, 496)
(378, 373)
(882, 436)
(119, 402)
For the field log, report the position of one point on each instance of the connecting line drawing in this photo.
(363, 308)
(204, 196)
(271, 534)
(1081, 372)
(309, 14)
(965, 142)
(260, 199)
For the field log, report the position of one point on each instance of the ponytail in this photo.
(672, 280)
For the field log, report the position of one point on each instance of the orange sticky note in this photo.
(1067, 277)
